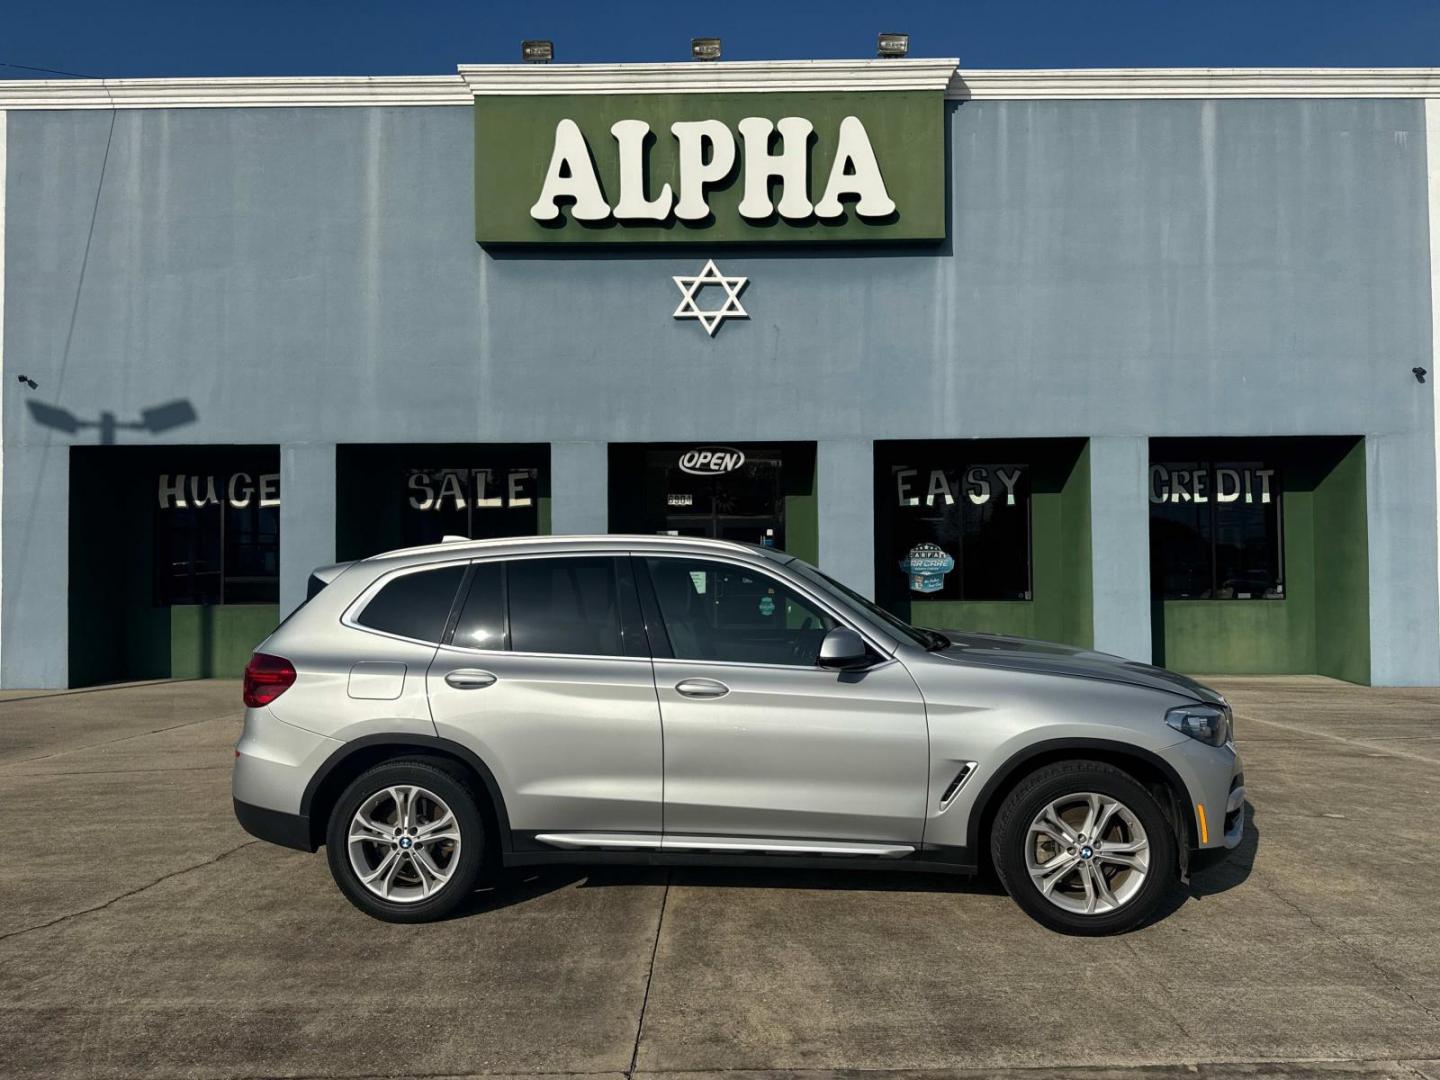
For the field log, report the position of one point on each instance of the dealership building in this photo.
(1134, 360)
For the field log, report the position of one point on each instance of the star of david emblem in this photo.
(690, 288)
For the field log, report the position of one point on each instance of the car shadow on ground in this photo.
(521, 885)
(1216, 875)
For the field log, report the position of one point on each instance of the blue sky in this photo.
(371, 37)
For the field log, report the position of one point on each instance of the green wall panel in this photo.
(1342, 571)
(216, 641)
(1322, 625)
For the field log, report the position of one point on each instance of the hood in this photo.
(1047, 658)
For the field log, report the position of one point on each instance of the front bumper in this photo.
(1214, 778)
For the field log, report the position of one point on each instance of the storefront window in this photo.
(1216, 531)
(217, 535)
(954, 531)
(392, 497)
(731, 492)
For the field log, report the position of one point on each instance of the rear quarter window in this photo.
(415, 605)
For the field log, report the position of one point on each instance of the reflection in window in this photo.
(1216, 531)
(955, 532)
(217, 536)
(722, 612)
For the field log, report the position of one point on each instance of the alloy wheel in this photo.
(404, 843)
(1087, 853)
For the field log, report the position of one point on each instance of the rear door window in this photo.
(415, 605)
(482, 617)
(565, 605)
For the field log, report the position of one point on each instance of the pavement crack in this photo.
(126, 895)
(109, 742)
(1350, 947)
(649, 978)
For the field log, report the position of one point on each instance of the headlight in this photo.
(1208, 723)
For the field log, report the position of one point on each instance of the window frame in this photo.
(1212, 464)
(650, 606)
(351, 616)
(632, 625)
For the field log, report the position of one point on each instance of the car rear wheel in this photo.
(406, 842)
(1084, 848)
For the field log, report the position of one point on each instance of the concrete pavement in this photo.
(142, 933)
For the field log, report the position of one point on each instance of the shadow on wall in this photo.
(155, 420)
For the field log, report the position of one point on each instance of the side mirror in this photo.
(843, 650)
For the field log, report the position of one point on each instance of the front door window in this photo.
(733, 614)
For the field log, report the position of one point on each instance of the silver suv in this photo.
(433, 714)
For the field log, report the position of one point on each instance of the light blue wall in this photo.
(1125, 269)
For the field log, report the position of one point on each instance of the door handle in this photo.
(701, 688)
(470, 679)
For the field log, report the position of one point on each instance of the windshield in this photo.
(926, 639)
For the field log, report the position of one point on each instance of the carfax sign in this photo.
(725, 167)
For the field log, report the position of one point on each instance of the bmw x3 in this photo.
(432, 715)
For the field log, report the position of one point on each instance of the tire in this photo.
(413, 879)
(1135, 859)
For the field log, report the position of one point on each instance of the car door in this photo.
(546, 676)
(762, 747)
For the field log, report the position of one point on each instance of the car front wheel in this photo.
(1084, 848)
(406, 842)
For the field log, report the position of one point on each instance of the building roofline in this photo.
(723, 77)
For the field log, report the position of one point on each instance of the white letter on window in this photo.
(420, 482)
(695, 171)
(855, 172)
(233, 490)
(791, 165)
(902, 489)
(516, 492)
(938, 486)
(270, 489)
(1158, 494)
(633, 205)
(1008, 478)
(172, 492)
(572, 156)
(977, 478)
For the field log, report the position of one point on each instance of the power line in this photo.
(47, 71)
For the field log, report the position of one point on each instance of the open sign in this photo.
(711, 460)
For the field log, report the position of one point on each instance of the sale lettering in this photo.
(483, 489)
(707, 153)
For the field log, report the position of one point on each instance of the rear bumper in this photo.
(275, 826)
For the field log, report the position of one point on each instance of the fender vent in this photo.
(966, 768)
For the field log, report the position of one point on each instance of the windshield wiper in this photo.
(938, 640)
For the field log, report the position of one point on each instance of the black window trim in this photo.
(632, 626)
(794, 584)
(351, 616)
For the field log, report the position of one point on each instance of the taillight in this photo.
(266, 678)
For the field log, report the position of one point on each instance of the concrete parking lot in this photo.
(142, 933)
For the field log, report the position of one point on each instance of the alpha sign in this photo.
(747, 167)
(707, 155)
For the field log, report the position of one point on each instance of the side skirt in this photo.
(932, 860)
